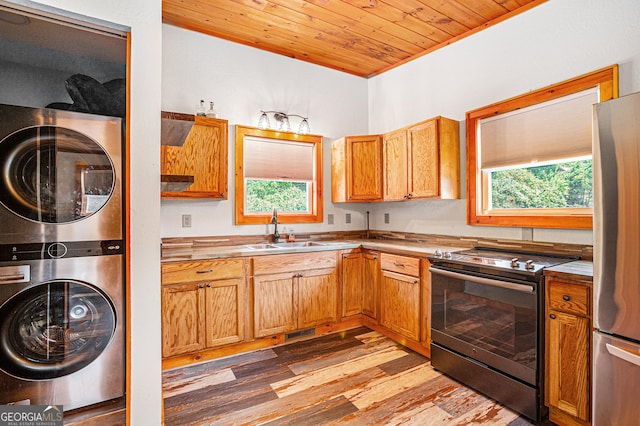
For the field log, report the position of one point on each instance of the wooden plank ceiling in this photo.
(360, 37)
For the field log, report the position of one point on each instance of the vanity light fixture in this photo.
(282, 122)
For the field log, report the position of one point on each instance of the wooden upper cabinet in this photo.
(395, 165)
(203, 155)
(356, 169)
(422, 161)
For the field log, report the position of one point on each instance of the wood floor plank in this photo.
(188, 384)
(227, 362)
(335, 373)
(225, 394)
(318, 414)
(331, 359)
(387, 387)
(405, 363)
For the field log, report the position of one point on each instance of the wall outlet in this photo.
(386, 218)
(330, 219)
(347, 218)
(186, 221)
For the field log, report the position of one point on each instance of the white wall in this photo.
(144, 19)
(555, 41)
(242, 81)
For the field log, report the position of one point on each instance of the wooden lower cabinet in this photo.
(206, 313)
(274, 309)
(182, 318)
(224, 316)
(400, 295)
(568, 352)
(360, 281)
(294, 291)
(370, 283)
(317, 297)
(352, 289)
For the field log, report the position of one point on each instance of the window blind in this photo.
(552, 130)
(278, 160)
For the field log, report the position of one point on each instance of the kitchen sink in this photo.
(260, 246)
(297, 244)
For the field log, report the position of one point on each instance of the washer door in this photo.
(54, 175)
(54, 329)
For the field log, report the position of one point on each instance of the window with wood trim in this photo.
(280, 170)
(529, 157)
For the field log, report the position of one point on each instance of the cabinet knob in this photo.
(300, 275)
(205, 271)
(201, 286)
(552, 316)
(375, 257)
(415, 281)
(222, 194)
(209, 285)
(405, 196)
(409, 195)
(566, 298)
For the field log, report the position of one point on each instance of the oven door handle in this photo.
(524, 288)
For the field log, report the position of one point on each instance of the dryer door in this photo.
(54, 329)
(52, 174)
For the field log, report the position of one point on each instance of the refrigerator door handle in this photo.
(623, 354)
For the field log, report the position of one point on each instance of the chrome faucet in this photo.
(274, 220)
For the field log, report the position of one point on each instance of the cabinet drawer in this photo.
(293, 262)
(201, 270)
(568, 297)
(400, 264)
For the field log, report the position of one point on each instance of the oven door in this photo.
(489, 320)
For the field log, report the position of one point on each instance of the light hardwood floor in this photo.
(356, 377)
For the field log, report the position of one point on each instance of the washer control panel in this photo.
(59, 250)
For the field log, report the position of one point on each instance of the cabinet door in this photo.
(395, 165)
(352, 278)
(224, 300)
(364, 168)
(370, 284)
(317, 297)
(400, 304)
(274, 309)
(183, 318)
(203, 156)
(424, 162)
(567, 384)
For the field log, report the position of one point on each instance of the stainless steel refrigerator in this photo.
(616, 287)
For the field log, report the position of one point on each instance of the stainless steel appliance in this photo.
(60, 176)
(61, 263)
(616, 287)
(61, 323)
(487, 322)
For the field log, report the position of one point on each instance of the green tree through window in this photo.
(264, 195)
(560, 185)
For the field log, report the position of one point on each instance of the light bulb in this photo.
(304, 127)
(263, 123)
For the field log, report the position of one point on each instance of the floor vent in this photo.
(301, 333)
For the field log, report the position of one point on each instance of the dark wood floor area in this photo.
(356, 377)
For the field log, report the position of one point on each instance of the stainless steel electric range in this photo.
(487, 323)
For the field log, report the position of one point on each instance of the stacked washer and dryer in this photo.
(61, 258)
